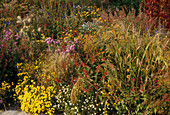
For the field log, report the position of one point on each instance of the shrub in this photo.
(10, 55)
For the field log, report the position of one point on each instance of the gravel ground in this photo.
(13, 112)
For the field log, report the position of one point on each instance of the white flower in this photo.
(19, 21)
(54, 105)
(29, 19)
(21, 31)
(58, 105)
(19, 17)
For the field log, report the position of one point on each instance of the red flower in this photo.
(101, 78)
(46, 79)
(83, 64)
(95, 86)
(72, 82)
(133, 89)
(85, 90)
(97, 68)
(167, 99)
(63, 64)
(58, 80)
(105, 73)
(92, 60)
(163, 71)
(6, 63)
(70, 56)
(75, 62)
(85, 72)
(87, 76)
(132, 79)
(75, 79)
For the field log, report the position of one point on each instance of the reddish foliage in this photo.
(158, 9)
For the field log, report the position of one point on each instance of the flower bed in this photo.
(60, 57)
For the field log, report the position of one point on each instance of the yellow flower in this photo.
(128, 76)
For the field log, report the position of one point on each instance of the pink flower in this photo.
(1, 101)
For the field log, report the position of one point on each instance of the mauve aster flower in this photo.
(1, 101)
(76, 40)
(15, 43)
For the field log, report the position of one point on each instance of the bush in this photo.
(10, 55)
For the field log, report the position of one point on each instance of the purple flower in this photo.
(64, 52)
(15, 43)
(67, 50)
(48, 13)
(58, 49)
(17, 38)
(57, 42)
(76, 40)
(48, 42)
(6, 35)
(16, 31)
(1, 101)
(48, 50)
(15, 48)
(8, 23)
(10, 33)
(47, 39)
(24, 91)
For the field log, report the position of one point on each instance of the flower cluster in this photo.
(37, 99)
(63, 47)
(34, 98)
(5, 86)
